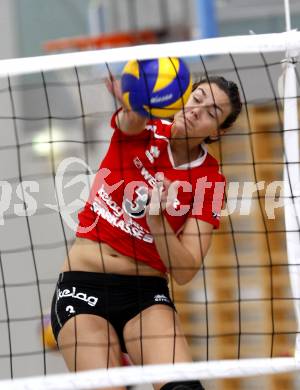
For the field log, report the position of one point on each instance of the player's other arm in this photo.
(128, 121)
(182, 255)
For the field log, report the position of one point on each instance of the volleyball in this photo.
(156, 88)
(47, 333)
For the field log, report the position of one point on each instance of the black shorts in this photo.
(117, 298)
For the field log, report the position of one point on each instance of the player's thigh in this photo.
(155, 336)
(89, 342)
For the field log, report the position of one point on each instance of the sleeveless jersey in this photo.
(115, 211)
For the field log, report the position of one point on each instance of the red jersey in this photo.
(115, 211)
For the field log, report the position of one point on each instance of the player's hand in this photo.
(161, 198)
(114, 88)
(129, 121)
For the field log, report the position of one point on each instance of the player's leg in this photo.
(89, 342)
(155, 336)
(80, 322)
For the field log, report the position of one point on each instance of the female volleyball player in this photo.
(154, 203)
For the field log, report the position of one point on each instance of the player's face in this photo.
(207, 108)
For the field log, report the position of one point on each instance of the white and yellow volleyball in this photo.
(156, 88)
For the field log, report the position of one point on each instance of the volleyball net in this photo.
(241, 314)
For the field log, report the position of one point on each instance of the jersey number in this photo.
(137, 208)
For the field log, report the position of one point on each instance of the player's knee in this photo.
(183, 385)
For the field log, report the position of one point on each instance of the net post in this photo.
(291, 176)
(288, 24)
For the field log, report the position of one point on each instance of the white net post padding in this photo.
(128, 376)
(291, 179)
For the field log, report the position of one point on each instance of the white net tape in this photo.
(264, 43)
(154, 374)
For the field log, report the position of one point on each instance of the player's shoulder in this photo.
(155, 128)
(160, 128)
(210, 167)
(211, 161)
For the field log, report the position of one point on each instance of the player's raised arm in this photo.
(129, 122)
